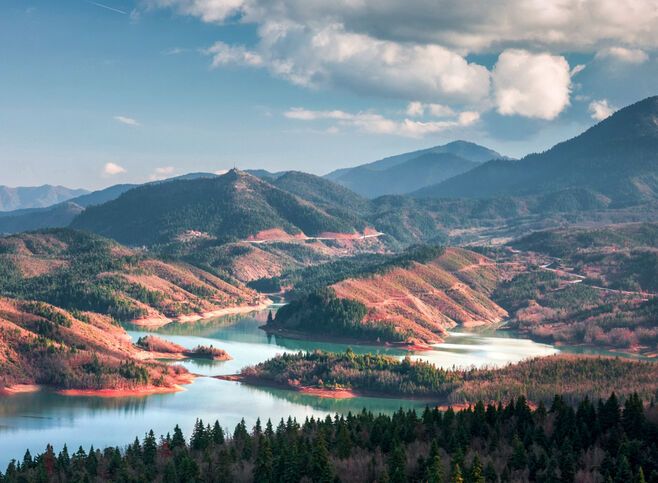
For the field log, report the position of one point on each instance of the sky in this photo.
(95, 93)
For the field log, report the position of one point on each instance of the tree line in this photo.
(602, 440)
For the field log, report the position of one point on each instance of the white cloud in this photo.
(600, 110)
(112, 169)
(128, 121)
(332, 57)
(377, 124)
(622, 54)
(531, 85)
(162, 173)
(207, 10)
(417, 50)
(565, 25)
(224, 54)
(418, 109)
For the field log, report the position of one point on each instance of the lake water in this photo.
(34, 419)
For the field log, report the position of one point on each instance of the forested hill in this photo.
(80, 271)
(230, 207)
(617, 158)
(411, 298)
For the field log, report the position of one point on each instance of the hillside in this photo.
(411, 175)
(231, 207)
(56, 216)
(42, 344)
(617, 158)
(413, 299)
(536, 379)
(594, 286)
(78, 271)
(411, 171)
(35, 196)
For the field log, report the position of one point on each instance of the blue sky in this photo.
(97, 93)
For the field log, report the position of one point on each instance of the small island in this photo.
(351, 375)
(166, 349)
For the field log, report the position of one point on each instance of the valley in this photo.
(448, 277)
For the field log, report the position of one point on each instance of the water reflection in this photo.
(32, 420)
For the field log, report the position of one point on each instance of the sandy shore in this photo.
(155, 322)
(136, 392)
(19, 389)
(144, 391)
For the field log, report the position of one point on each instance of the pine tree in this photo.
(519, 458)
(263, 469)
(92, 462)
(217, 434)
(475, 473)
(397, 465)
(456, 476)
(149, 450)
(170, 475)
(321, 470)
(199, 440)
(224, 473)
(343, 442)
(177, 440)
(490, 474)
(434, 472)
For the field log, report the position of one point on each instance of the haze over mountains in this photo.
(35, 196)
(617, 158)
(612, 166)
(408, 172)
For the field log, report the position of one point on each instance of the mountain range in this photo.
(35, 196)
(617, 158)
(409, 172)
(230, 207)
(601, 175)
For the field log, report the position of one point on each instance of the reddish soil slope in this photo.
(427, 299)
(41, 344)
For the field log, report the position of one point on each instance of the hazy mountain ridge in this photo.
(616, 158)
(35, 196)
(409, 172)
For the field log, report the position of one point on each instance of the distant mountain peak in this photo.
(407, 172)
(616, 158)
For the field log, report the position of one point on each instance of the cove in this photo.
(32, 420)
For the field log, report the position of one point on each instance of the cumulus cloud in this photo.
(112, 169)
(418, 51)
(622, 54)
(576, 25)
(128, 121)
(375, 123)
(162, 173)
(531, 85)
(599, 110)
(334, 57)
(418, 109)
(223, 54)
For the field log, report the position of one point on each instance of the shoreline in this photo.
(156, 322)
(141, 391)
(293, 334)
(323, 392)
(19, 389)
(636, 352)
